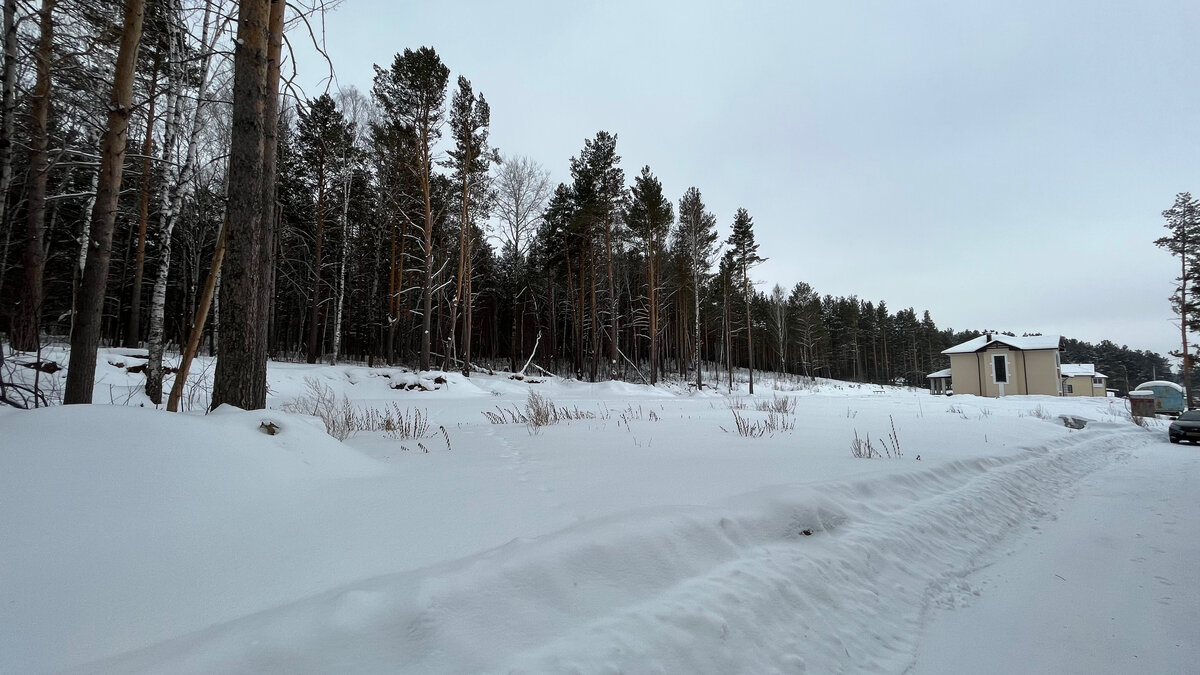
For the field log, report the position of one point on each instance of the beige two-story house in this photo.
(1081, 379)
(1002, 365)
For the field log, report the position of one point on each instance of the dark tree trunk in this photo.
(27, 322)
(238, 380)
(85, 339)
(134, 328)
(269, 220)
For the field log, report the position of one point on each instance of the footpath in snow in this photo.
(643, 535)
(1106, 585)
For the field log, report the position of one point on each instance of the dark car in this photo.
(1186, 428)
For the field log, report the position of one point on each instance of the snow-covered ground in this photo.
(645, 535)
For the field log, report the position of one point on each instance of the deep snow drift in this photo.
(644, 536)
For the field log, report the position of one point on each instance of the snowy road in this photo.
(1107, 586)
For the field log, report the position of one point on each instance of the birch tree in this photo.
(522, 188)
(179, 178)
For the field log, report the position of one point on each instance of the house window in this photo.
(1000, 368)
(1070, 389)
(1097, 381)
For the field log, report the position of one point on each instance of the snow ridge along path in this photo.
(823, 577)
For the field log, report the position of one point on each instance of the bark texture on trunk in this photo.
(85, 339)
(27, 324)
(8, 109)
(177, 181)
(236, 380)
(268, 224)
(134, 328)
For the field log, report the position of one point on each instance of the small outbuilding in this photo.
(939, 382)
(1168, 396)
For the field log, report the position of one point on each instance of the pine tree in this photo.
(240, 375)
(412, 94)
(649, 217)
(324, 142)
(599, 189)
(745, 257)
(696, 236)
(1183, 222)
(470, 161)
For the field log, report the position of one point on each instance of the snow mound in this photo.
(97, 502)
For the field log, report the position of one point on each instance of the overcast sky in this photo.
(1002, 164)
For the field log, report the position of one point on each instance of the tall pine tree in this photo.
(745, 257)
(1183, 223)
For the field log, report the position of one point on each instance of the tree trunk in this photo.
(1184, 280)
(389, 348)
(86, 338)
(269, 222)
(427, 292)
(612, 301)
(172, 203)
(25, 336)
(749, 335)
(238, 380)
(134, 328)
(341, 284)
(314, 317)
(696, 319)
(469, 316)
(8, 108)
(193, 344)
(653, 311)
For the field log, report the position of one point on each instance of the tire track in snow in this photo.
(824, 578)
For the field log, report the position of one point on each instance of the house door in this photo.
(1000, 371)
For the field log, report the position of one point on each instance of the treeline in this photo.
(391, 232)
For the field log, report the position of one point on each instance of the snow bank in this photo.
(645, 537)
(786, 578)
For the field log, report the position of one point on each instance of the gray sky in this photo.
(1003, 165)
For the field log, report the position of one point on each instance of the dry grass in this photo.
(785, 405)
(342, 420)
(774, 423)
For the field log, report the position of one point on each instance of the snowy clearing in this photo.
(644, 535)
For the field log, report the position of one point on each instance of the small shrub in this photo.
(506, 416)
(539, 411)
(775, 422)
(780, 404)
(342, 420)
(1039, 412)
(863, 448)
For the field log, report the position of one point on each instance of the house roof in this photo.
(940, 373)
(1022, 343)
(1080, 370)
(1159, 383)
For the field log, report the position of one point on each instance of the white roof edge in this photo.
(1027, 343)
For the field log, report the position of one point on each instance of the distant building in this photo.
(939, 382)
(1003, 365)
(1081, 379)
